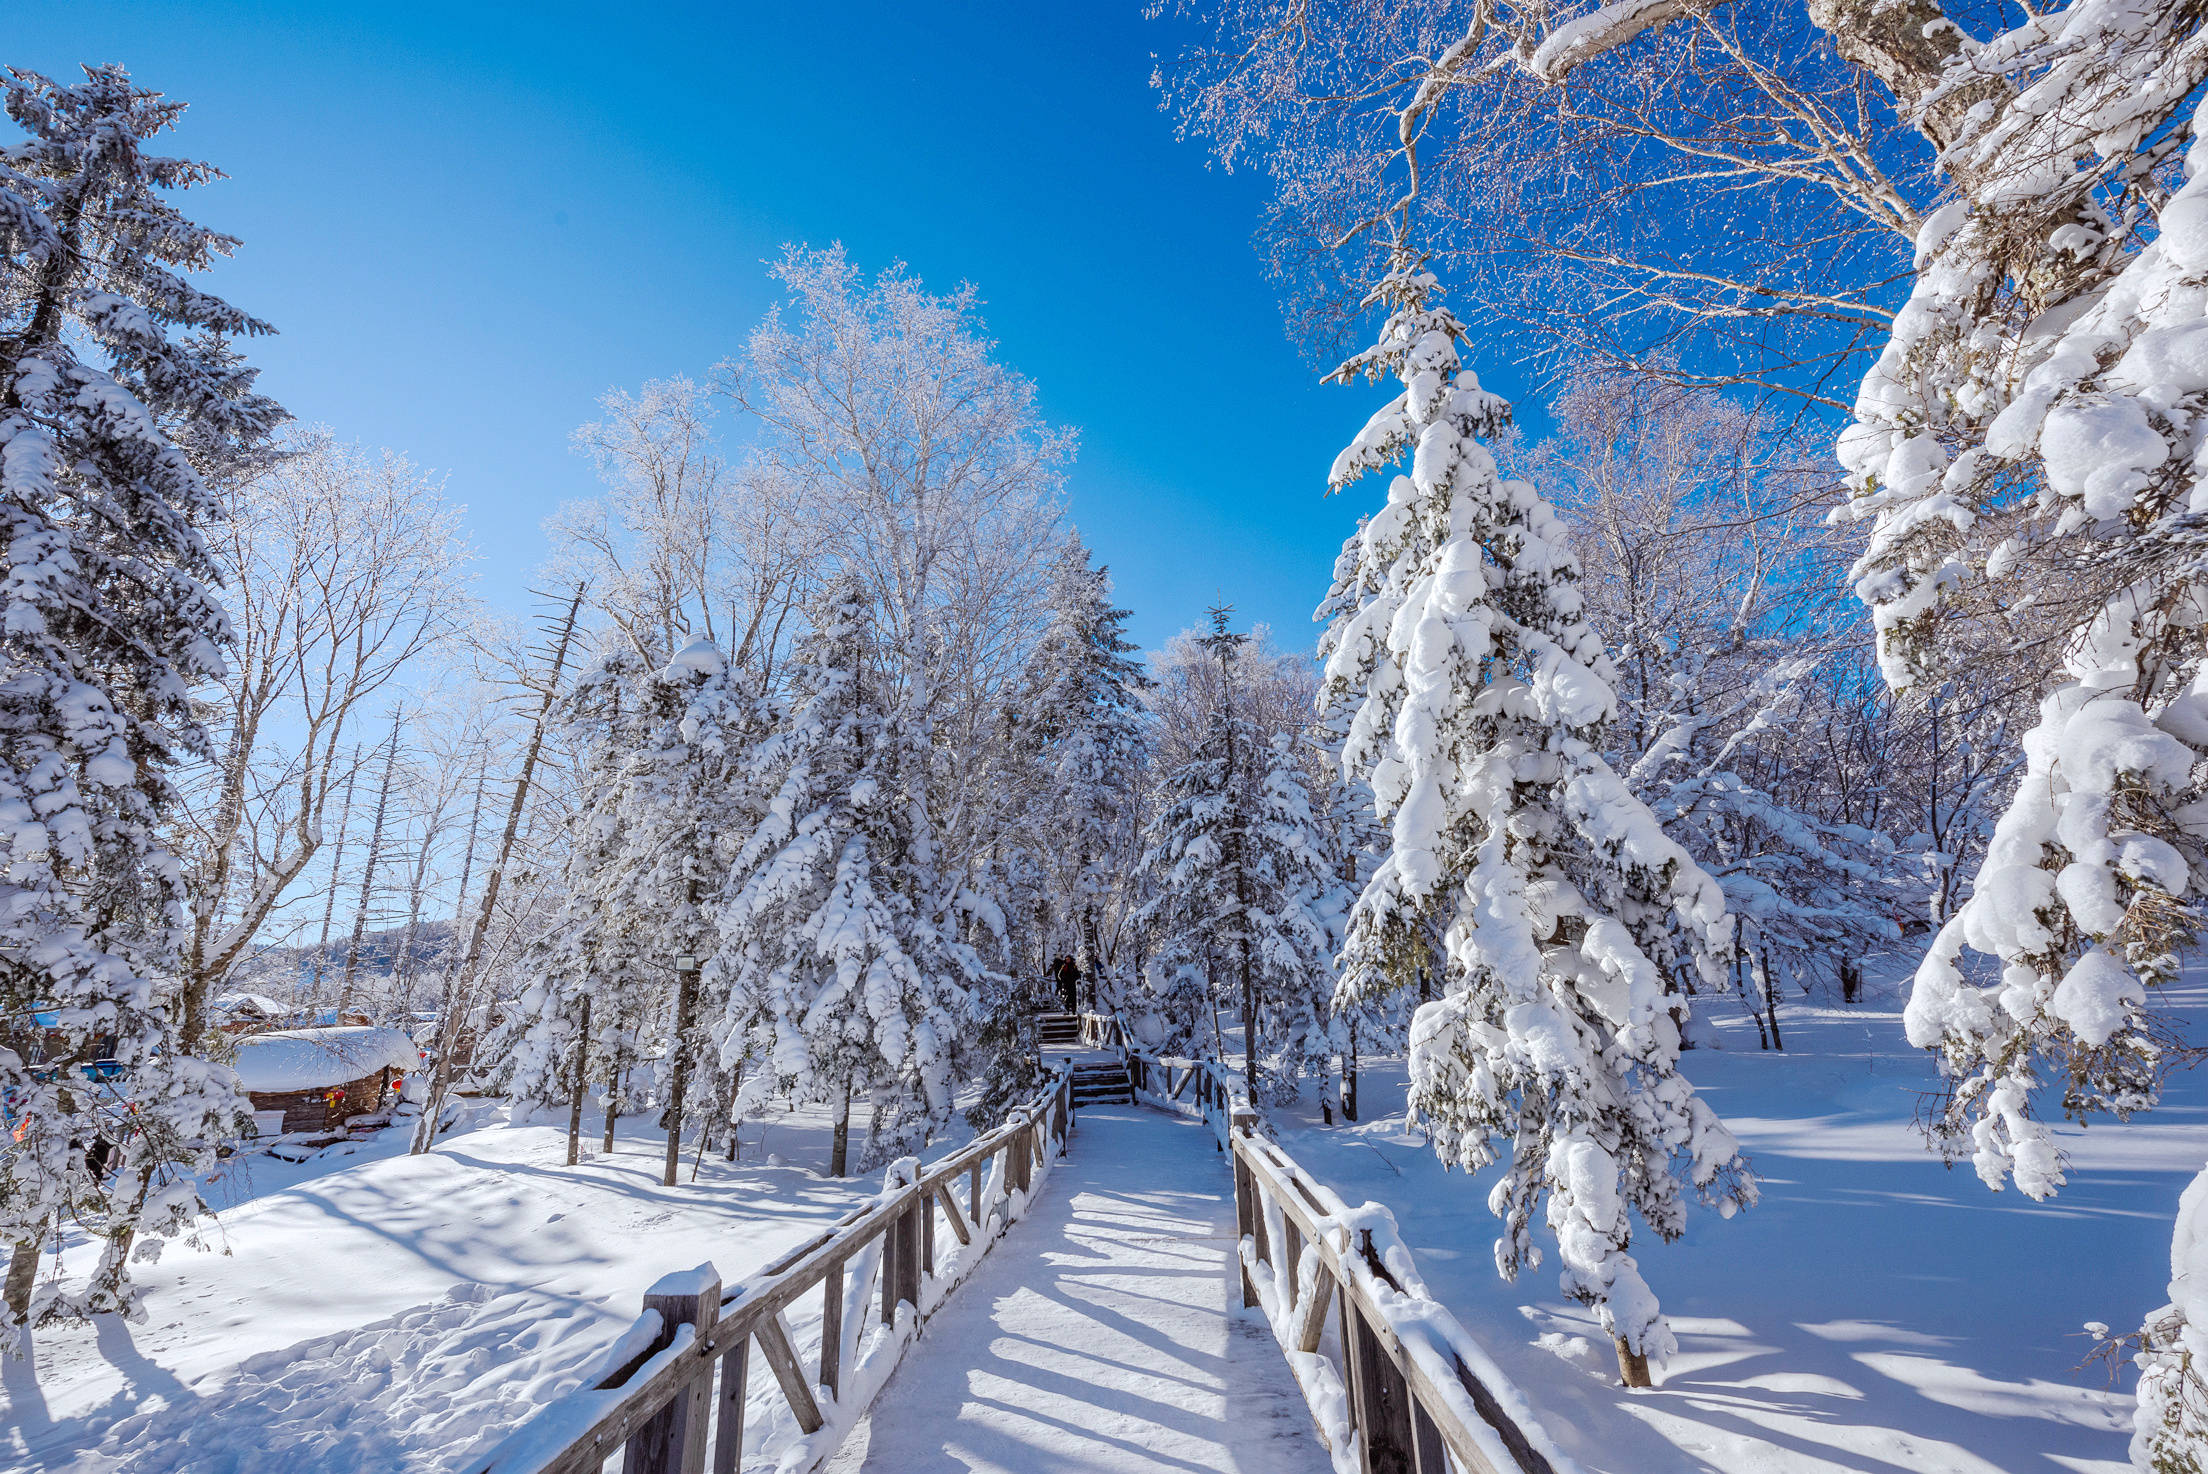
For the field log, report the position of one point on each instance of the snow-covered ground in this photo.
(381, 1311)
(1874, 1312)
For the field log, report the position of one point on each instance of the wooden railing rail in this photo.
(659, 1400)
(1421, 1396)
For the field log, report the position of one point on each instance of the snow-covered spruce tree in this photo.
(1369, 1016)
(108, 624)
(841, 977)
(1240, 896)
(1067, 821)
(1571, 915)
(2030, 437)
(1295, 920)
(663, 794)
(1083, 706)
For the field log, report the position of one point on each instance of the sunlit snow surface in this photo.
(1875, 1312)
(387, 1312)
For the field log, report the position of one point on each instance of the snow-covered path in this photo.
(1103, 1334)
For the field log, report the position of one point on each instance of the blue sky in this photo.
(469, 221)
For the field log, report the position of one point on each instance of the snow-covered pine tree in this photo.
(108, 623)
(1368, 1008)
(1571, 914)
(1294, 916)
(840, 981)
(1084, 704)
(2032, 429)
(1187, 876)
(662, 749)
(1240, 895)
(1070, 821)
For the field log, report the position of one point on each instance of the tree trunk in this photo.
(461, 1002)
(368, 873)
(582, 1086)
(1851, 980)
(1770, 995)
(22, 1275)
(839, 1151)
(613, 1103)
(337, 858)
(686, 1003)
(1910, 45)
(1632, 1366)
(1349, 1074)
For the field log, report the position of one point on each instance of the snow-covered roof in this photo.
(309, 1059)
(259, 1003)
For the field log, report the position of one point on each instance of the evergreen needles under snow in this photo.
(107, 622)
(1572, 923)
(842, 976)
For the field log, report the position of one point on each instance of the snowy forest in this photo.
(1776, 731)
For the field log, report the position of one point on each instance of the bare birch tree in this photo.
(344, 571)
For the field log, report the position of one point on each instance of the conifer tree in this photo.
(841, 981)
(1570, 915)
(1084, 702)
(114, 380)
(661, 750)
(1241, 895)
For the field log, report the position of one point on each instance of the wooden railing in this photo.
(1415, 1382)
(1392, 1378)
(674, 1386)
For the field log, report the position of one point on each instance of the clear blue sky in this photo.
(469, 221)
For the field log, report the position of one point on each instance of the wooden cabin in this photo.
(321, 1078)
(246, 1013)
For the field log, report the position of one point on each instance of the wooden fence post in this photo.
(1020, 1157)
(672, 1440)
(831, 1329)
(1249, 1207)
(728, 1440)
(923, 1204)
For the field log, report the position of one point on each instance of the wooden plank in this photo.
(728, 1433)
(923, 1204)
(909, 1260)
(892, 1245)
(950, 1211)
(774, 1343)
(831, 1329)
(1383, 1403)
(1310, 1321)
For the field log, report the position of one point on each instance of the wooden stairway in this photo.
(1058, 1032)
(1095, 1081)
